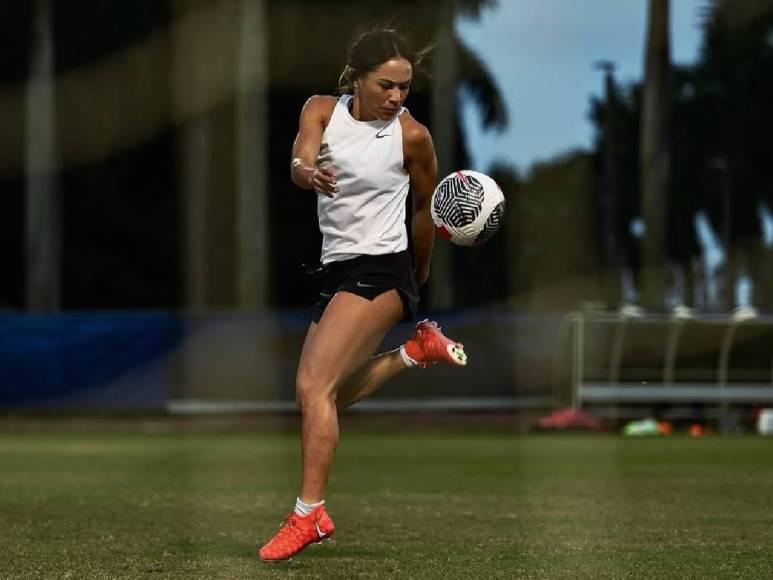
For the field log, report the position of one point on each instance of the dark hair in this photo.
(372, 49)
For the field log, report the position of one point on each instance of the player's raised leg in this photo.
(428, 345)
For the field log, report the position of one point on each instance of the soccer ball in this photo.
(467, 207)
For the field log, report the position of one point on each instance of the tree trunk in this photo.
(444, 111)
(43, 211)
(655, 154)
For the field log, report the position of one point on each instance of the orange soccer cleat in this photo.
(297, 532)
(428, 345)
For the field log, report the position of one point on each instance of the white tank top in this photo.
(367, 215)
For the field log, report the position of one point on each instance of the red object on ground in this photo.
(570, 419)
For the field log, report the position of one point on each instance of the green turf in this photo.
(417, 505)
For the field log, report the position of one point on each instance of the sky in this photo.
(542, 55)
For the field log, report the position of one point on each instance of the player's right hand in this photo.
(323, 180)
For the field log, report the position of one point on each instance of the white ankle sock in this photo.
(303, 509)
(409, 362)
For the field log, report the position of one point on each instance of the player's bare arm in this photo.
(304, 171)
(421, 164)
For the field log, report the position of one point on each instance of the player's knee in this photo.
(310, 390)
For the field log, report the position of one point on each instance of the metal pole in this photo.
(43, 211)
(671, 349)
(610, 278)
(580, 359)
(617, 352)
(724, 358)
(575, 340)
(252, 219)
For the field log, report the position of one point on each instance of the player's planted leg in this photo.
(347, 335)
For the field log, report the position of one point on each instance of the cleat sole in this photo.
(277, 562)
(457, 354)
(326, 539)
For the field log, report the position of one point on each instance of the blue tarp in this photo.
(106, 361)
(85, 360)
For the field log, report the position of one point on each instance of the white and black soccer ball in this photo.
(467, 207)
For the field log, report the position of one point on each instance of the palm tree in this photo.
(733, 87)
(719, 146)
(733, 14)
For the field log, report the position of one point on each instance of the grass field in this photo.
(411, 505)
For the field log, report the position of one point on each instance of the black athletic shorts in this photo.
(369, 277)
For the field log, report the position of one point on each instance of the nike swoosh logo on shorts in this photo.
(363, 285)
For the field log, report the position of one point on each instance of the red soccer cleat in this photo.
(428, 346)
(296, 533)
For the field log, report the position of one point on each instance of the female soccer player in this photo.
(360, 153)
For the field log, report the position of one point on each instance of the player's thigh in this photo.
(308, 341)
(347, 335)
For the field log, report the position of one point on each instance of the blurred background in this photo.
(154, 250)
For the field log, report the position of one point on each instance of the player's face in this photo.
(382, 91)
